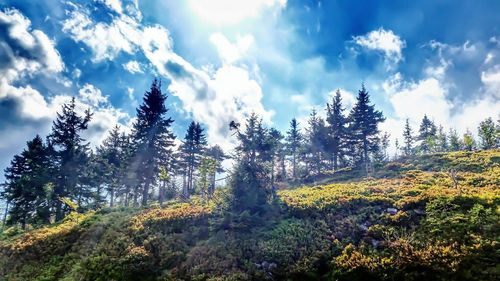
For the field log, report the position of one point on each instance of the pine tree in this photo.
(294, 141)
(442, 140)
(427, 134)
(110, 157)
(193, 147)
(336, 128)
(217, 154)
(153, 138)
(316, 140)
(249, 179)
(380, 154)
(364, 120)
(454, 139)
(275, 147)
(408, 139)
(488, 133)
(28, 184)
(72, 153)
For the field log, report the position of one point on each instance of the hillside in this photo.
(413, 220)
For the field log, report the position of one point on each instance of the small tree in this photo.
(488, 133)
(293, 143)
(469, 142)
(408, 139)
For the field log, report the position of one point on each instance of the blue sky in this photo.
(220, 60)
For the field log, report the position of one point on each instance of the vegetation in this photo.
(409, 222)
(326, 203)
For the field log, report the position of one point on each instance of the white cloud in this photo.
(491, 81)
(223, 12)
(132, 66)
(214, 97)
(228, 52)
(385, 41)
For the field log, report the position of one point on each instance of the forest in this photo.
(323, 200)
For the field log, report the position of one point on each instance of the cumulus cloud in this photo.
(216, 97)
(132, 66)
(491, 81)
(385, 41)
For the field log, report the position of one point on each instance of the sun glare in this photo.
(225, 12)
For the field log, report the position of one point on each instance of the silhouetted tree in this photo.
(72, 154)
(363, 127)
(153, 138)
(294, 142)
(336, 123)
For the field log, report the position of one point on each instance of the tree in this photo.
(408, 139)
(316, 140)
(364, 120)
(72, 154)
(293, 143)
(275, 147)
(441, 140)
(153, 138)
(454, 139)
(217, 154)
(427, 134)
(380, 154)
(28, 184)
(193, 147)
(336, 128)
(488, 133)
(250, 192)
(468, 141)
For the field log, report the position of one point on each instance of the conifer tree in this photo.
(152, 138)
(28, 184)
(442, 140)
(218, 156)
(111, 161)
(72, 154)
(454, 140)
(488, 133)
(336, 122)
(294, 141)
(193, 147)
(364, 120)
(427, 135)
(408, 139)
(315, 143)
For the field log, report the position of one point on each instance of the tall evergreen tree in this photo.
(364, 120)
(488, 133)
(193, 148)
(111, 160)
(408, 139)
(336, 128)
(153, 138)
(72, 153)
(315, 143)
(441, 140)
(217, 154)
(28, 184)
(427, 135)
(294, 141)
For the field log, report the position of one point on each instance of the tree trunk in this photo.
(145, 193)
(4, 220)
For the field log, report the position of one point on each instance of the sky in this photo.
(220, 60)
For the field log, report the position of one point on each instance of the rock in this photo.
(419, 212)
(392, 211)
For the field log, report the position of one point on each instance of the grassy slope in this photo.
(342, 230)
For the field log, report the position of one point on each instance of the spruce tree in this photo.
(427, 135)
(294, 141)
(72, 154)
(218, 156)
(193, 147)
(28, 184)
(152, 138)
(336, 122)
(316, 141)
(454, 139)
(364, 121)
(488, 133)
(408, 139)
(442, 140)
(110, 157)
